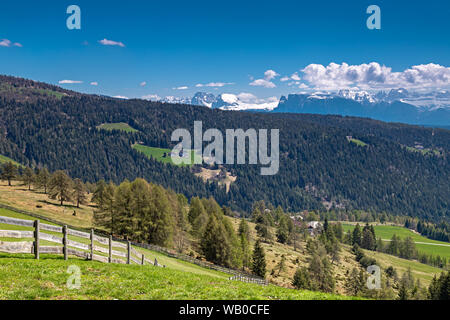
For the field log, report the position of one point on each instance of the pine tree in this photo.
(214, 243)
(356, 236)
(283, 230)
(60, 187)
(244, 229)
(301, 279)
(197, 216)
(282, 265)
(259, 260)
(353, 284)
(245, 252)
(368, 240)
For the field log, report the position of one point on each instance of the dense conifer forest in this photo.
(42, 125)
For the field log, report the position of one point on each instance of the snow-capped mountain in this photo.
(203, 99)
(398, 105)
(360, 96)
(224, 101)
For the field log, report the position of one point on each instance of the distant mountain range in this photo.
(396, 105)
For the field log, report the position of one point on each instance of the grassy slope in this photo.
(117, 126)
(23, 278)
(358, 142)
(427, 245)
(24, 199)
(298, 258)
(162, 259)
(158, 153)
(419, 270)
(4, 159)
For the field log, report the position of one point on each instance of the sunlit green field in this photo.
(149, 254)
(22, 277)
(425, 245)
(4, 159)
(117, 126)
(158, 153)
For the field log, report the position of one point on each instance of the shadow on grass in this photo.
(68, 206)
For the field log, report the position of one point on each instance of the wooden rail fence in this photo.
(71, 247)
(124, 252)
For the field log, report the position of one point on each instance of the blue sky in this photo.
(238, 46)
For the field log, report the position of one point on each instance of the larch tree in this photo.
(79, 192)
(9, 172)
(60, 187)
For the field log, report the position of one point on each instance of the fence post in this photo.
(36, 239)
(110, 249)
(129, 253)
(65, 242)
(92, 244)
(143, 259)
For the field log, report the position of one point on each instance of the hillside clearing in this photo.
(160, 154)
(423, 244)
(121, 126)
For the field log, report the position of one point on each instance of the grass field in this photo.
(419, 270)
(24, 278)
(423, 244)
(358, 142)
(20, 197)
(4, 159)
(158, 153)
(162, 258)
(117, 126)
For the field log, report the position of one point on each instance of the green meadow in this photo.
(117, 126)
(158, 153)
(423, 244)
(24, 278)
(4, 159)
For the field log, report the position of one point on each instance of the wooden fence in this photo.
(249, 279)
(237, 274)
(115, 252)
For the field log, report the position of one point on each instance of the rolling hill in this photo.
(318, 164)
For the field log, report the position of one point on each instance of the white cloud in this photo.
(151, 97)
(262, 83)
(303, 86)
(121, 97)
(266, 83)
(270, 74)
(94, 83)
(107, 42)
(214, 84)
(7, 43)
(375, 76)
(70, 82)
(295, 77)
(143, 84)
(181, 88)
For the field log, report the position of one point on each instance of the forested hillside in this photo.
(318, 163)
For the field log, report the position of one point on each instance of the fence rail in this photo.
(67, 246)
(119, 244)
